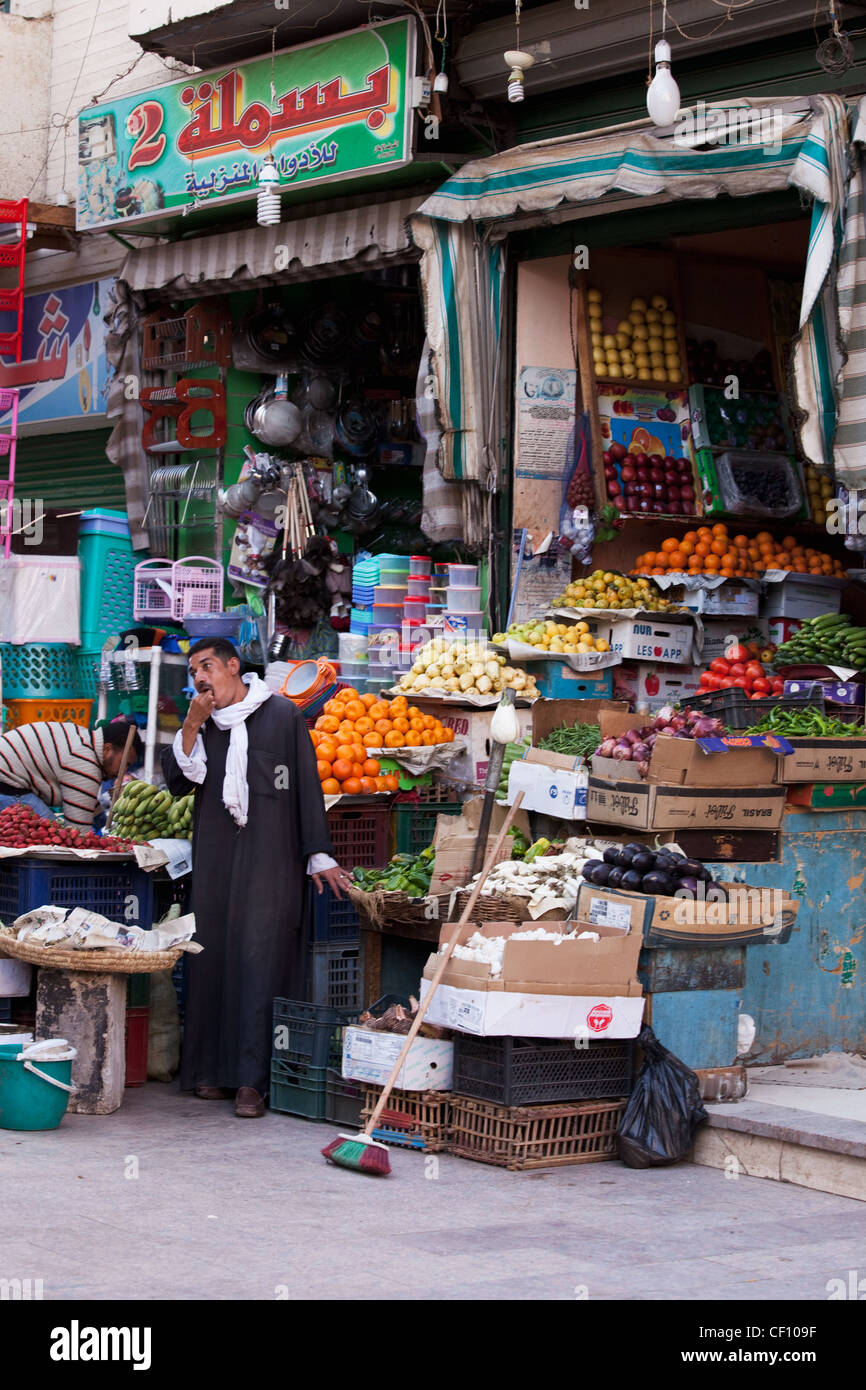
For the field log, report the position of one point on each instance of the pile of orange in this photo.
(352, 728)
(710, 550)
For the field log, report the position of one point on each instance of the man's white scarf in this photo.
(236, 792)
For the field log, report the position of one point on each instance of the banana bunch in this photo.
(144, 812)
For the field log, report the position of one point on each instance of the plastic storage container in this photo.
(419, 586)
(754, 483)
(153, 594)
(389, 595)
(72, 711)
(463, 600)
(38, 670)
(415, 609)
(462, 576)
(197, 586)
(137, 1035)
(108, 565)
(469, 622)
(419, 564)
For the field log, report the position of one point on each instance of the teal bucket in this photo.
(34, 1093)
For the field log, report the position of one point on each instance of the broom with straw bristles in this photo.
(361, 1151)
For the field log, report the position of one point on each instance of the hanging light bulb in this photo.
(518, 62)
(268, 197)
(440, 82)
(663, 95)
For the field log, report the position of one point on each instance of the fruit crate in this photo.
(436, 793)
(309, 1033)
(297, 1089)
(412, 1119)
(336, 976)
(360, 837)
(137, 1034)
(20, 712)
(526, 1071)
(334, 919)
(38, 670)
(414, 826)
(98, 886)
(344, 1100)
(737, 711)
(534, 1136)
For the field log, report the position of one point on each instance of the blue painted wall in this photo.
(809, 995)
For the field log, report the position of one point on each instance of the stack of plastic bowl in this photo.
(463, 597)
(354, 665)
(365, 577)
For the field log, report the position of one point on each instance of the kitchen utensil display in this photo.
(276, 420)
(325, 337)
(356, 428)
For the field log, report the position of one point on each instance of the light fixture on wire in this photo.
(268, 197)
(663, 95)
(517, 60)
(440, 81)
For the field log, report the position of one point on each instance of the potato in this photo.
(465, 681)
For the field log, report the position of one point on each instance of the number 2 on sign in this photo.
(144, 122)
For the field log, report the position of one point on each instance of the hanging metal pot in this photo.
(276, 421)
(356, 428)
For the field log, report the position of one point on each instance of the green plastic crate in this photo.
(414, 826)
(297, 1089)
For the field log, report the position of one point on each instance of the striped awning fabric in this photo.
(309, 248)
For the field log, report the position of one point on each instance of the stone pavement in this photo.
(228, 1209)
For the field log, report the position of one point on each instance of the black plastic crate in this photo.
(344, 1099)
(334, 920)
(336, 976)
(737, 711)
(121, 891)
(527, 1071)
(297, 1089)
(310, 1033)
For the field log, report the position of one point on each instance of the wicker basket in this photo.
(534, 1136)
(411, 1119)
(97, 961)
(502, 909)
(399, 909)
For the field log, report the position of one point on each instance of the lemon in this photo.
(601, 645)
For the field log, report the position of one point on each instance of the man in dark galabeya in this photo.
(260, 828)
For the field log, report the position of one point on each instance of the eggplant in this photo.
(660, 885)
(614, 878)
(601, 874)
(611, 856)
(644, 862)
(635, 847)
(624, 857)
(689, 885)
(589, 866)
(632, 880)
(696, 869)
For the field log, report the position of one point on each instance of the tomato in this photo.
(778, 685)
(754, 669)
(736, 669)
(757, 695)
(740, 681)
(709, 681)
(762, 685)
(720, 667)
(726, 682)
(738, 653)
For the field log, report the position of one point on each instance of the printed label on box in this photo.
(605, 913)
(468, 1018)
(599, 1018)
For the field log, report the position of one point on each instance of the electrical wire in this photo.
(727, 5)
(68, 104)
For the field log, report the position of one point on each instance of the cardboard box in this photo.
(640, 639)
(780, 630)
(832, 692)
(473, 725)
(827, 796)
(823, 760)
(719, 635)
(751, 914)
(548, 715)
(454, 843)
(666, 685)
(551, 783)
(652, 806)
(547, 990)
(678, 761)
(558, 681)
(370, 1056)
(728, 598)
(803, 596)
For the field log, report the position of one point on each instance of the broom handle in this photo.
(492, 859)
(118, 781)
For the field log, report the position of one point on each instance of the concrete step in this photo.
(752, 1139)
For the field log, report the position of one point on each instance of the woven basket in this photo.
(97, 961)
(399, 909)
(502, 909)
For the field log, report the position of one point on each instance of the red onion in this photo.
(606, 747)
(622, 752)
(643, 769)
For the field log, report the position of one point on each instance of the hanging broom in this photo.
(362, 1151)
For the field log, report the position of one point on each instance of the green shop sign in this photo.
(329, 110)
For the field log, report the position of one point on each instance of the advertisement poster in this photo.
(324, 111)
(63, 372)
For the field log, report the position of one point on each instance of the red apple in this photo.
(628, 474)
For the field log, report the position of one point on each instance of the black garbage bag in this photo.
(663, 1111)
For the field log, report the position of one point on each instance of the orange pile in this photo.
(352, 728)
(710, 550)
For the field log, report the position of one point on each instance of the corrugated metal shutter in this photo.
(69, 470)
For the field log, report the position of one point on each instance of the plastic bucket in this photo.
(34, 1093)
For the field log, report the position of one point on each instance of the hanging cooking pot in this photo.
(325, 339)
(362, 508)
(273, 334)
(321, 392)
(356, 428)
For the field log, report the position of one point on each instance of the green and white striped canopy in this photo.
(460, 228)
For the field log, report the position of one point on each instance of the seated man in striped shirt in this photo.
(62, 765)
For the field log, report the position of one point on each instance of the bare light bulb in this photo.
(268, 197)
(663, 95)
(440, 82)
(518, 62)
